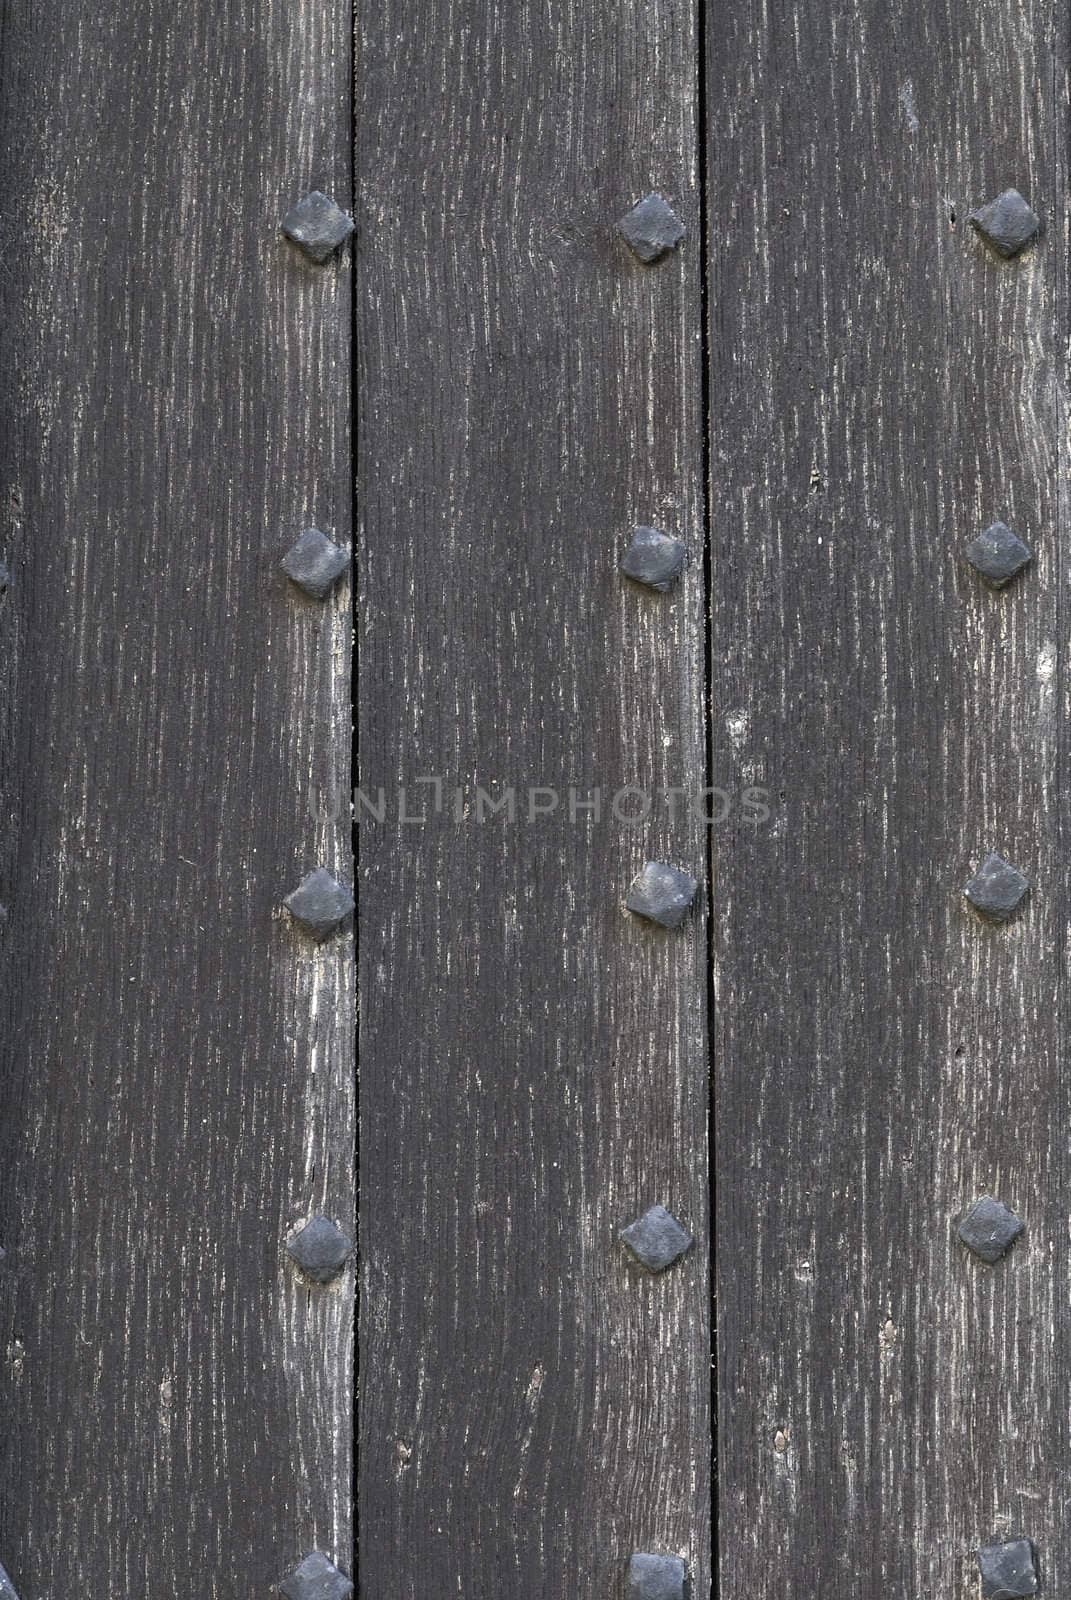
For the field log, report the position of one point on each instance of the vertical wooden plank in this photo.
(177, 1073)
(533, 1062)
(883, 388)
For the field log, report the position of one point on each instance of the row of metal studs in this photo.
(320, 903)
(1008, 1568)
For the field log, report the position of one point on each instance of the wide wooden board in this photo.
(176, 1073)
(883, 387)
(533, 1060)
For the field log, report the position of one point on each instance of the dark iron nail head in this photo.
(997, 889)
(662, 894)
(990, 1228)
(318, 225)
(315, 564)
(998, 554)
(653, 1577)
(7, 1588)
(653, 559)
(657, 1239)
(321, 1249)
(316, 1578)
(320, 903)
(651, 228)
(1008, 1570)
(1007, 223)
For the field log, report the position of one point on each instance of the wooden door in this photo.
(825, 390)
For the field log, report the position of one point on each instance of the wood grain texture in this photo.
(177, 1073)
(883, 387)
(533, 1060)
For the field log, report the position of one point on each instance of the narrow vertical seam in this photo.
(708, 731)
(1058, 234)
(354, 778)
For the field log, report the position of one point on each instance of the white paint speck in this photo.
(907, 100)
(737, 724)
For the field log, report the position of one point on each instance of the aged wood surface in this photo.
(882, 388)
(177, 1075)
(176, 1063)
(533, 1060)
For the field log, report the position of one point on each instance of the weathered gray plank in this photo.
(882, 388)
(533, 1062)
(176, 1079)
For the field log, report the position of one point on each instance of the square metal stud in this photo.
(657, 1239)
(318, 225)
(320, 903)
(1007, 223)
(651, 228)
(315, 564)
(316, 1578)
(997, 889)
(653, 1577)
(321, 1250)
(990, 1229)
(998, 554)
(653, 559)
(1008, 1570)
(662, 894)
